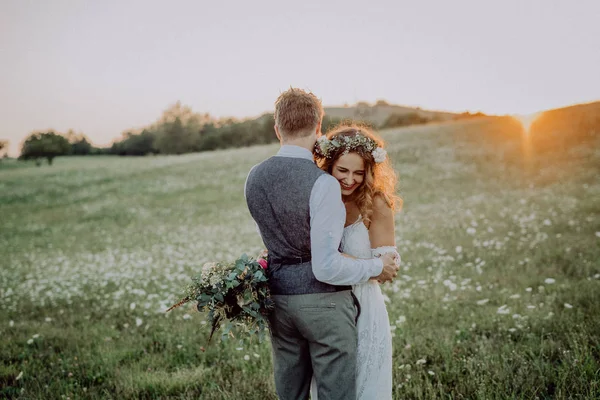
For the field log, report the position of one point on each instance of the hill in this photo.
(379, 113)
(497, 296)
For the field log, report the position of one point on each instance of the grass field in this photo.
(498, 298)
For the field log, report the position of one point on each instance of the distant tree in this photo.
(468, 115)
(44, 145)
(81, 147)
(135, 144)
(382, 103)
(174, 139)
(3, 146)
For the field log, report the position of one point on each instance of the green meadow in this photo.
(498, 295)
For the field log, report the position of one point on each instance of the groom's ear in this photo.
(277, 133)
(318, 130)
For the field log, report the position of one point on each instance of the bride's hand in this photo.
(390, 268)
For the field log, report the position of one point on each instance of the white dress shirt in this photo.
(327, 218)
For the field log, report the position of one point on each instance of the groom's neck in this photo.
(307, 143)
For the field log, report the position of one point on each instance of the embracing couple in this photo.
(328, 226)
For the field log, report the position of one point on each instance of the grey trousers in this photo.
(314, 334)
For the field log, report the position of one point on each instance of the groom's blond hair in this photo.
(297, 113)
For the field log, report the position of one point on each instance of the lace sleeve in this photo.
(379, 251)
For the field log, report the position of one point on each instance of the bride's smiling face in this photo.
(349, 170)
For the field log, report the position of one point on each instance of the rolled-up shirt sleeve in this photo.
(327, 217)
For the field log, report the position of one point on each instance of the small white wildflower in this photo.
(179, 346)
(132, 306)
(482, 302)
(547, 222)
(30, 341)
(11, 323)
(511, 330)
(247, 357)
(239, 348)
(598, 234)
(471, 230)
(138, 322)
(528, 289)
(549, 281)
(458, 249)
(256, 355)
(37, 335)
(187, 316)
(567, 305)
(430, 372)
(515, 296)
(19, 376)
(421, 361)
(401, 319)
(503, 309)
(451, 285)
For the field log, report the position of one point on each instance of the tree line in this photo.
(179, 130)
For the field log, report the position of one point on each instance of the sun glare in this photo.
(526, 120)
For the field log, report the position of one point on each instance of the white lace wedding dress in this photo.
(374, 363)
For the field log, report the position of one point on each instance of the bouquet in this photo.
(235, 293)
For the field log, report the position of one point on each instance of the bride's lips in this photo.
(345, 187)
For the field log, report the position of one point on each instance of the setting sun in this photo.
(527, 120)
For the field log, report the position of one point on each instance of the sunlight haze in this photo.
(101, 68)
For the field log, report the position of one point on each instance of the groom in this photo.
(299, 211)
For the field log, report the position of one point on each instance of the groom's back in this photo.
(278, 195)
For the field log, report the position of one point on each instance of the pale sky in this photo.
(102, 67)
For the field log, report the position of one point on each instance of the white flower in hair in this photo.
(379, 155)
(323, 145)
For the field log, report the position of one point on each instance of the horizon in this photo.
(103, 69)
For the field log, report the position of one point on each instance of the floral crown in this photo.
(326, 148)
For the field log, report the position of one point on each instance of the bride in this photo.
(356, 158)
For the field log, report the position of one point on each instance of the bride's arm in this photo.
(382, 229)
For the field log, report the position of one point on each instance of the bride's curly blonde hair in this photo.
(380, 178)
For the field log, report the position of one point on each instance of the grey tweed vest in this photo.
(278, 194)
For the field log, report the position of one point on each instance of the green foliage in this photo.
(236, 293)
(135, 145)
(45, 145)
(181, 131)
(3, 145)
(399, 120)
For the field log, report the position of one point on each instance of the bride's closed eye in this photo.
(344, 170)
